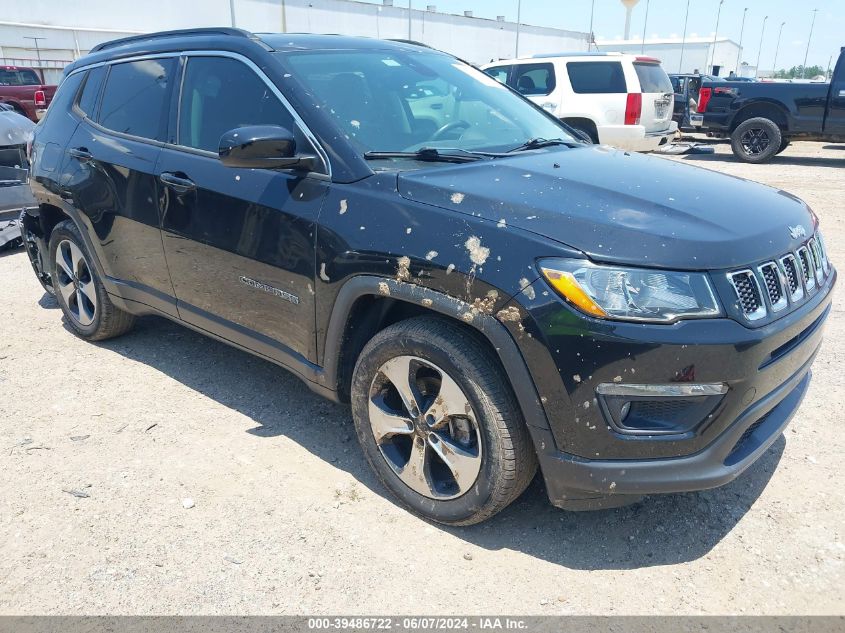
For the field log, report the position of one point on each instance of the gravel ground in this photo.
(102, 447)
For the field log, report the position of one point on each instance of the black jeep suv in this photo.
(409, 235)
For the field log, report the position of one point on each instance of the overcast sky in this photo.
(666, 19)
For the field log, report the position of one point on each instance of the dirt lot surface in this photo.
(102, 446)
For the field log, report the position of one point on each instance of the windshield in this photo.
(391, 101)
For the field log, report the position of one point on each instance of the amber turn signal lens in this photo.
(567, 286)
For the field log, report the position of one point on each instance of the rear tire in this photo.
(756, 140)
(86, 305)
(456, 450)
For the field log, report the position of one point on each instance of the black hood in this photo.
(620, 207)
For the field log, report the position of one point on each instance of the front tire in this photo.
(86, 305)
(438, 422)
(756, 140)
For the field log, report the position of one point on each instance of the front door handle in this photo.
(81, 153)
(179, 184)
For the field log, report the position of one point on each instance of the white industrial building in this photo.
(66, 30)
(693, 54)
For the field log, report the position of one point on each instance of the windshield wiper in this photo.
(434, 155)
(538, 142)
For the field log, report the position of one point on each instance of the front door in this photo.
(239, 242)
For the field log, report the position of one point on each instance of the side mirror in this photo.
(262, 147)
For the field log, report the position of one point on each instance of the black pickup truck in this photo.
(762, 117)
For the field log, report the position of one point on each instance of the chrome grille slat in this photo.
(747, 290)
(791, 273)
(813, 246)
(806, 268)
(774, 286)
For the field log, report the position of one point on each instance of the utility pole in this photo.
(518, 18)
(812, 24)
(739, 52)
(760, 50)
(232, 13)
(592, 37)
(777, 46)
(410, 8)
(683, 40)
(37, 54)
(715, 35)
(642, 48)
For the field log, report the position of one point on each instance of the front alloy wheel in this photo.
(425, 427)
(438, 422)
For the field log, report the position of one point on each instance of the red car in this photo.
(23, 89)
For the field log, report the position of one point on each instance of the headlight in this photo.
(631, 294)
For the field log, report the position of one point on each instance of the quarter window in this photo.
(88, 98)
(534, 79)
(220, 94)
(596, 77)
(136, 96)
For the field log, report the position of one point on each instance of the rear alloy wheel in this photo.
(84, 301)
(75, 283)
(756, 140)
(438, 422)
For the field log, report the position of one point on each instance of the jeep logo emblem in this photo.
(797, 231)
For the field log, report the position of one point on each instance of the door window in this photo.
(136, 96)
(534, 79)
(499, 73)
(596, 77)
(220, 94)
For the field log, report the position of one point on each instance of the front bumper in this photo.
(573, 482)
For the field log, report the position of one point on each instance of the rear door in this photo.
(598, 91)
(657, 94)
(111, 174)
(239, 242)
(835, 120)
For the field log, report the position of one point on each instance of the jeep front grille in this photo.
(778, 283)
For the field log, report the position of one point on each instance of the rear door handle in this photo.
(81, 153)
(177, 183)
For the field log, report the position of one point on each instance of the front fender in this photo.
(489, 326)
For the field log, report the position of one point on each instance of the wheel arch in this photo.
(583, 122)
(367, 304)
(43, 219)
(764, 109)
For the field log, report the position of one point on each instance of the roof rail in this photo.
(577, 54)
(403, 41)
(223, 30)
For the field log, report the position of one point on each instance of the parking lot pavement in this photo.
(163, 472)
